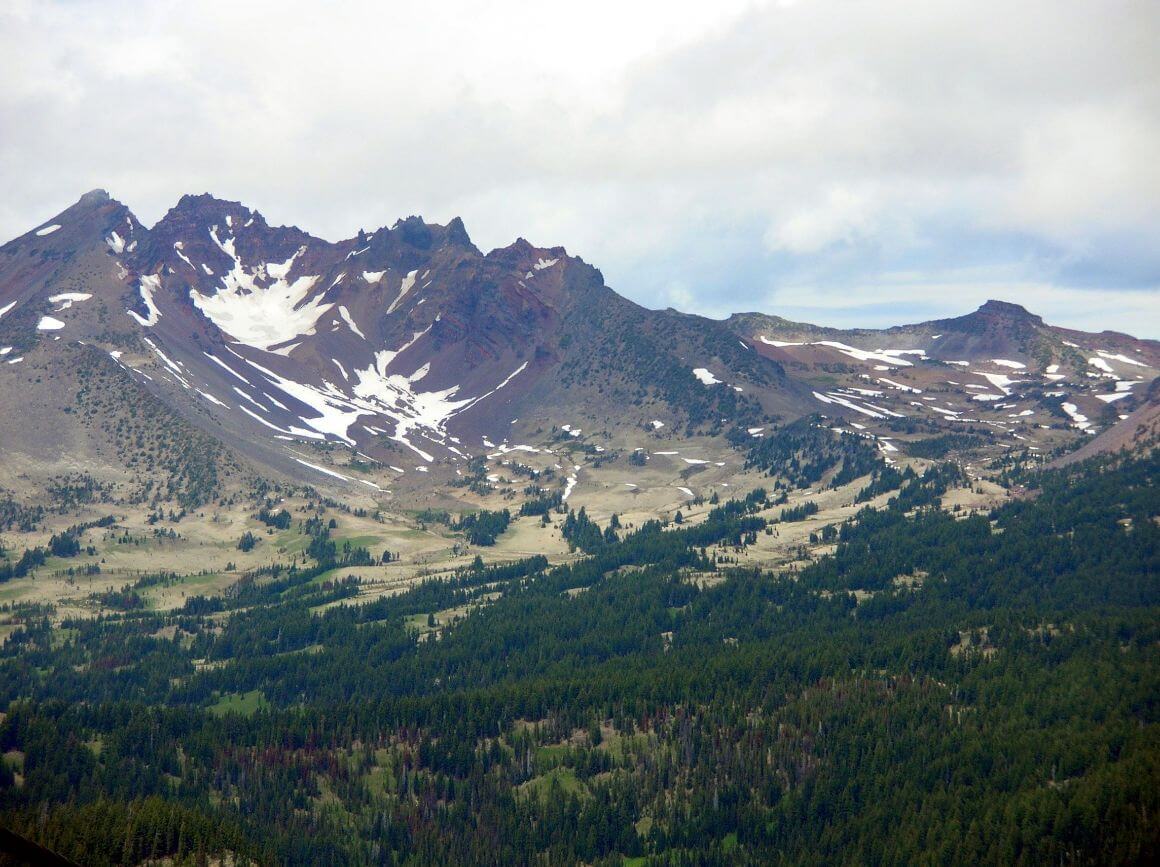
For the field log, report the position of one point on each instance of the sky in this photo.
(843, 163)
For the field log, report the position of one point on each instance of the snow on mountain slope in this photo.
(261, 307)
(410, 347)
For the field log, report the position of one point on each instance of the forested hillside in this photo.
(942, 688)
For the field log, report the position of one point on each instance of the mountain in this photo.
(388, 550)
(1000, 372)
(406, 344)
(405, 354)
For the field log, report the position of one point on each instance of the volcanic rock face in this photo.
(410, 347)
(404, 341)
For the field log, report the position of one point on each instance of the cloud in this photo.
(841, 218)
(725, 155)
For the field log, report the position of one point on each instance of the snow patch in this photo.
(47, 230)
(345, 314)
(1123, 359)
(999, 381)
(405, 287)
(506, 449)
(178, 247)
(257, 315)
(864, 355)
(705, 376)
(67, 299)
(899, 385)
(147, 285)
(226, 367)
(870, 410)
(777, 343)
(1078, 420)
(394, 395)
(322, 469)
(47, 323)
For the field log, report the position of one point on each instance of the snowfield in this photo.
(889, 358)
(65, 300)
(257, 315)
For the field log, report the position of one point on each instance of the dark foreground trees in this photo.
(956, 691)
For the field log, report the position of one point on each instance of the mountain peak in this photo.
(209, 205)
(94, 202)
(1007, 310)
(95, 197)
(457, 232)
(416, 232)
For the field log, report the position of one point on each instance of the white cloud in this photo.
(843, 216)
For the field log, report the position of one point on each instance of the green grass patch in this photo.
(242, 703)
(291, 542)
(558, 779)
(374, 544)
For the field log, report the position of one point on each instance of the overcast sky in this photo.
(844, 163)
